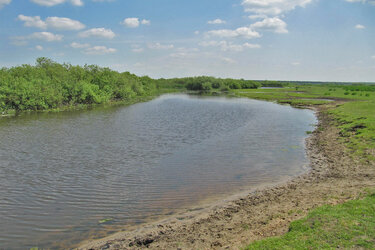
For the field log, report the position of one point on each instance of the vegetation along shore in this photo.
(332, 205)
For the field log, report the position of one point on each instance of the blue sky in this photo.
(325, 40)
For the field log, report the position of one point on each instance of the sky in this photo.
(306, 40)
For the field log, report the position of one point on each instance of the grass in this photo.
(357, 123)
(349, 225)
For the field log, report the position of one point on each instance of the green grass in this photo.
(357, 123)
(349, 225)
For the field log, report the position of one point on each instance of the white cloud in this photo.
(274, 24)
(58, 23)
(273, 7)
(77, 2)
(92, 50)
(258, 16)
(98, 32)
(245, 32)
(4, 2)
(251, 46)
(50, 3)
(63, 23)
(46, 36)
(39, 47)
(228, 46)
(133, 22)
(216, 21)
(99, 50)
(32, 21)
(160, 46)
(79, 45)
(145, 22)
(359, 26)
(373, 57)
(295, 63)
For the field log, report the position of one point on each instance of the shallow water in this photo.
(62, 173)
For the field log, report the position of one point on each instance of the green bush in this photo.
(50, 85)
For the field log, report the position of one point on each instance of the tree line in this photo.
(50, 85)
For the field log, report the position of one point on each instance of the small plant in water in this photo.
(105, 221)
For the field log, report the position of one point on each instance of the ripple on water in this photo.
(61, 174)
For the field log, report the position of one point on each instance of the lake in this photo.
(68, 176)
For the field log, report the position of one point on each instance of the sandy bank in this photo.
(334, 178)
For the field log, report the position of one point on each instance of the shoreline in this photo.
(334, 177)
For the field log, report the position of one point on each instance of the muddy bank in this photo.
(334, 178)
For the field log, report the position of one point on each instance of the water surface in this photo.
(63, 174)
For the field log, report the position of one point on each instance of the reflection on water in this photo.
(67, 175)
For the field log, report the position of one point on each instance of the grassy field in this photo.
(350, 225)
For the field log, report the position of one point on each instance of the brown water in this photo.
(60, 174)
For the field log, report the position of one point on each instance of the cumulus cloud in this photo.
(99, 50)
(58, 23)
(134, 22)
(160, 46)
(39, 47)
(92, 50)
(216, 21)
(145, 22)
(76, 45)
(245, 32)
(274, 24)
(32, 21)
(4, 2)
(228, 46)
(98, 32)
(359, 26)
(273, 7)
(50, 3)
(131, 22)
(258, 16)
(63, 23)
(46, 36)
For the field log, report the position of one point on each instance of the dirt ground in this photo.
(334, 178)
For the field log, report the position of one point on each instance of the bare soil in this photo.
(334, 178)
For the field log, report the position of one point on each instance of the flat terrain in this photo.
(342, 169)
